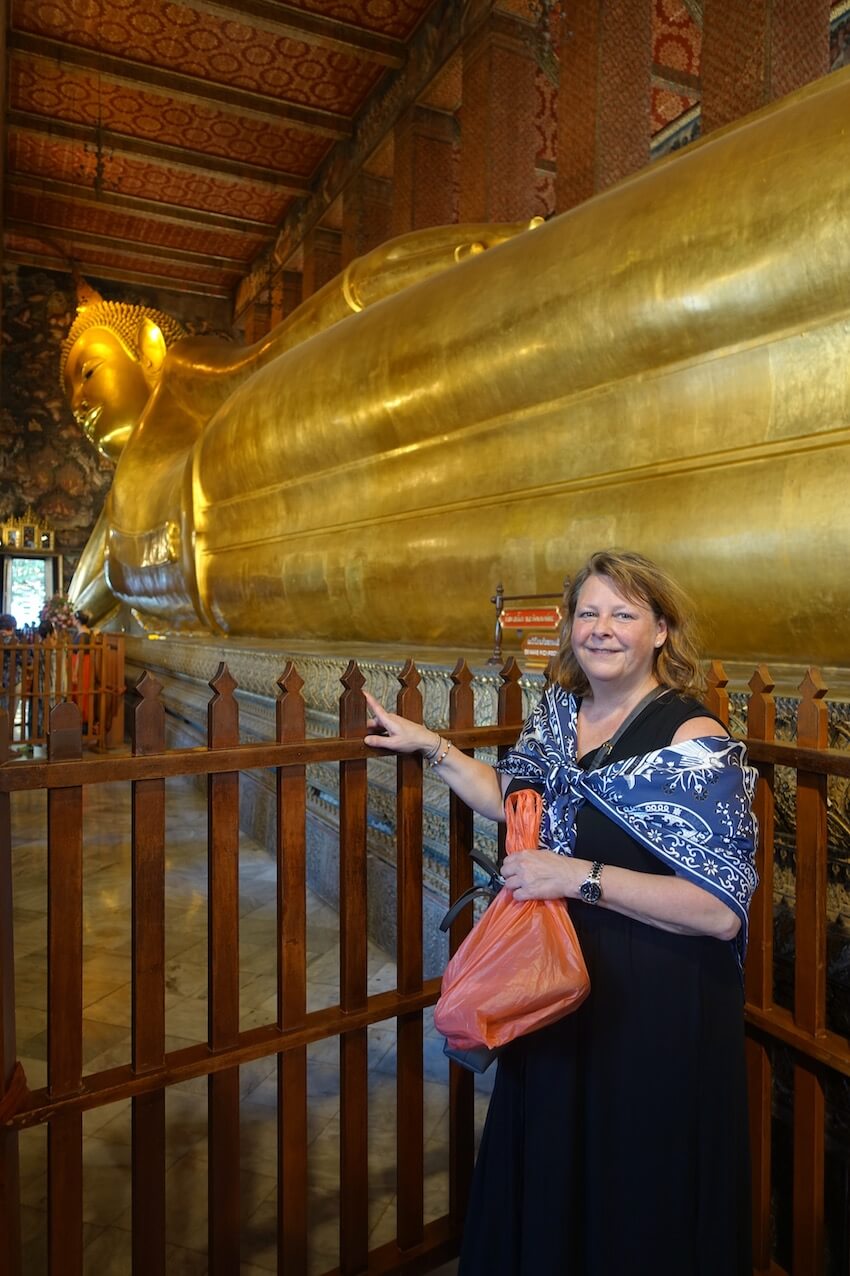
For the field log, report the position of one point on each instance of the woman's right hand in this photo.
(398, 734)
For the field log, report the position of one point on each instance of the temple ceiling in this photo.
(177, 142)
(171, 139)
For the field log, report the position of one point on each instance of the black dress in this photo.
(617, 1142)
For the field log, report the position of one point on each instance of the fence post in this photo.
(761, 725)
(810, 981)
(717, 697)
(148, 1013)
(112, 730)
(510, 714)
(461, 1088)
(11, 1073)
(223, 860)
(291, 848)
(65, 999)
(410, 1125)
(353, 1081)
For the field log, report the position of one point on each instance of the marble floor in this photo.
(106, 1025)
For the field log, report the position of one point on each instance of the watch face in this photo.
(591, 891)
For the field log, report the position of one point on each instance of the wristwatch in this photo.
(591, 888)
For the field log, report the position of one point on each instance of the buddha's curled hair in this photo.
(125, 321)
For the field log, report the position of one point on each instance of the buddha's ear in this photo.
(152, 349)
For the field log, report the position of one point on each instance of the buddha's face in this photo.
(106, 388)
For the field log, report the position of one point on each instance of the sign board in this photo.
(538, 649)
(530, 618)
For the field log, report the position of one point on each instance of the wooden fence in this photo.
(145, 1076)
(35, 676)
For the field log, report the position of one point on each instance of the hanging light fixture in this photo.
(101, 153)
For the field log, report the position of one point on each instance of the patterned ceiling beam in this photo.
(174, 156)
(90, 268)
(314, 28)
(135, 204)
(188, 87)
(70, 239)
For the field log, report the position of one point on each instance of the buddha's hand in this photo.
(389, 731)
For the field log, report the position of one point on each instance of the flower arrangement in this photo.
(59, 612)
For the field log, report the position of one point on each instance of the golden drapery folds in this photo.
(663, 369)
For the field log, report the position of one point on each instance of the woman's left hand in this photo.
(539, 874)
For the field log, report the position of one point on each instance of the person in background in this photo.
(616, 1140)
(81, 668)
(11, 666)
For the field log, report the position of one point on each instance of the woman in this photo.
(616, 1141)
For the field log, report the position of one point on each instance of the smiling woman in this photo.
(616, 1139)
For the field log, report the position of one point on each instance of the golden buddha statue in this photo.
(662, 367)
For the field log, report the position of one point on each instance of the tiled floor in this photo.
(107, 1042)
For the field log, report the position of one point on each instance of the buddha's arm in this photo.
(393, 266)
(89, 591)
(203, 371)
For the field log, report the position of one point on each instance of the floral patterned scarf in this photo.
(690, 804)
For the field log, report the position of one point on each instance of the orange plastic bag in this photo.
(521, 967)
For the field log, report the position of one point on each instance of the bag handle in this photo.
(494, 885)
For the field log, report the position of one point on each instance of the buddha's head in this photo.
(111, 362)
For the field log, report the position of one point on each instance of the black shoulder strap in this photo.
(607, 746)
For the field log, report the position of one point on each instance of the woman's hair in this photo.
(83, 617)
(640, 580)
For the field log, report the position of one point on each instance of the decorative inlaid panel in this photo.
(102, 219)
(69, 93)
(208, 46)
(39, 155)
(676, 46)
(676, 38)
(667, 107)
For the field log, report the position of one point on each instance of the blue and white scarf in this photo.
(690, 804)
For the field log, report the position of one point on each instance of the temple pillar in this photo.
(498, 139)
(262, 315)
(366, 215)
(286, 294)
(322, 258)
(578, 101)
(425, 170)
(604, 97)
(624, 97)
(734, 61)
(799, 44)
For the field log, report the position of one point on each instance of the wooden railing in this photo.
(35, 676)
(817, 1051)
(150, 1070)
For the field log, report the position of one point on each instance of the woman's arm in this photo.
(670, 903)
(473, 781)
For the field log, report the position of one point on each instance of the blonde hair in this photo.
(125, 321)
(676, 662)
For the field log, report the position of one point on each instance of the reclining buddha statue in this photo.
(662, 368)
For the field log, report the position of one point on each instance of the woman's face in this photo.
(106, 389)
(614, 639)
